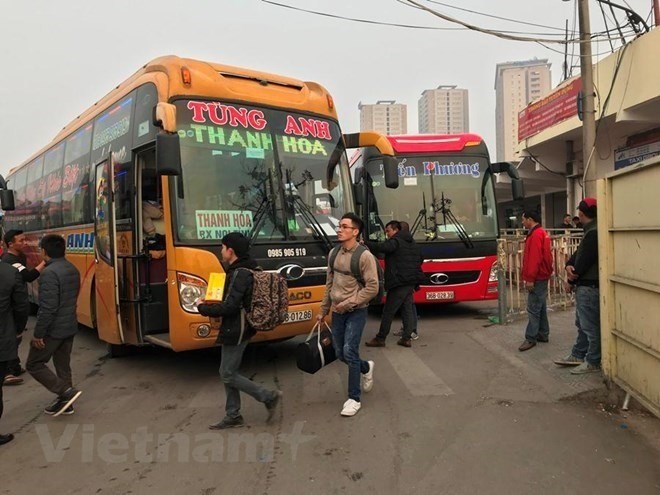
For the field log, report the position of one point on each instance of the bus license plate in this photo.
(296, 316)
(434, 296)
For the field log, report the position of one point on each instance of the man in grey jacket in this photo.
(56, 326)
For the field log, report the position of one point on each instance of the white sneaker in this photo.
(368, 378)
(414, 336)
(351, 407)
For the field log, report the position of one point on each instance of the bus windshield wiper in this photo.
(443, 207)
(267, 204)
(303, 209)
(421, 215)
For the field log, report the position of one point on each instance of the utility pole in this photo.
(588, 107)
(656, 10)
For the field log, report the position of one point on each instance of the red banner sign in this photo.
(558, 106)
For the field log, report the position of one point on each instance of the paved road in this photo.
(463, 412)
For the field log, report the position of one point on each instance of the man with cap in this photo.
(235, 332)
(582, 274)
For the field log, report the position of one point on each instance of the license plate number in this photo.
(296, 316)
(434, 296)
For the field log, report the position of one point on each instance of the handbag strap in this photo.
(311, 333)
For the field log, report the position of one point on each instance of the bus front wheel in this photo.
(118, 350)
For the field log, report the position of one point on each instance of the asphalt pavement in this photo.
(461, 412)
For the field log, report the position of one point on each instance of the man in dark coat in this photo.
(235, 332)
(403, 272)
(582, 275)
(57, 325)
(15, 256)
(14, 309)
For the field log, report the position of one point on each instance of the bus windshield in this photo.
(258, 171)
(441, 197)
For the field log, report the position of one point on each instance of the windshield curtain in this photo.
(464, 182)
(258, 171)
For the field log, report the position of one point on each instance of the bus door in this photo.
(150, 234)
(114, 277)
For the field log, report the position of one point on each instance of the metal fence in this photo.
(512, 292)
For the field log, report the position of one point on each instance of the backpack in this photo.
(355, 271)
(269, 305)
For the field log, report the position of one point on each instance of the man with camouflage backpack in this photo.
(235, 331)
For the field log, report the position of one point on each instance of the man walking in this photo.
(402, 273)
(536, 271)
(235, 332)
(348, 299)
(582, 273)
(15, 256)
(14, 309)
(56, 326)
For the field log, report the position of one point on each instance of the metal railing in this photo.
(512, 292)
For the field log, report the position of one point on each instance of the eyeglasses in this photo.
(345, 227)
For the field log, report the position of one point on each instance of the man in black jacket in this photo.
(14, 308)
(235, 332)
(582, 273)
(15, 256)
(402, 273)
(57, 325)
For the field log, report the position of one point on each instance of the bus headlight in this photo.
(493, 273)
(191, 290)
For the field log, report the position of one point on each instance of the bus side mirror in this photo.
(391, 172)
(517, 189)
(359, 193)
(6, 196)
(168, 154)
(7, 199)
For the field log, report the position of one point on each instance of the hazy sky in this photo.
(58, 58)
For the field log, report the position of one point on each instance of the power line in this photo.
(495, 16)
(496, 33)
(391, 24)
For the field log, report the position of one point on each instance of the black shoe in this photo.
(271, 405)
(541, 339)
(236, 422)
(6, 438)
(66, 399)
(527, 345)
(56, 406)
(17, 371)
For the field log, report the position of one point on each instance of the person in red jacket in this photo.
(536, 271)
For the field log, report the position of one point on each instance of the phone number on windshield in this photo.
(286, 253)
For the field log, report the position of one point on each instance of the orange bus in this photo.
(146, 182)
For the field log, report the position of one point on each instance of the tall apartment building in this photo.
(444, 110)
(386, 116)
(516, 85)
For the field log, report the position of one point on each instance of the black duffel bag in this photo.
(315, 353)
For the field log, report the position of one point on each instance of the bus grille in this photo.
(455, 278)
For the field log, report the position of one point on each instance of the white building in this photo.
(386, 116)
(516, 85)
(444, 110)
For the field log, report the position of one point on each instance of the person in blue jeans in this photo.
(582, 274)
(348, 299)
(536, 271)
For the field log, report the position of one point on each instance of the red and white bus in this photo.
(446, 194)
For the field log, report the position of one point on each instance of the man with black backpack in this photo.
(348, 296)
(403, 272)
(235, 331)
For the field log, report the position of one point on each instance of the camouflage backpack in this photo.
(270, 301)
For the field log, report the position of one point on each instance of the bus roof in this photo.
(424, 143)
(209, 80)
